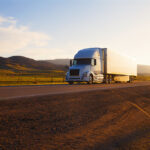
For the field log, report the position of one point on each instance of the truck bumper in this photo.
(77, 79)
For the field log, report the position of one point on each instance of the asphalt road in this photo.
(30, 91)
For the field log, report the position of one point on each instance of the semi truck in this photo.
(101, 65)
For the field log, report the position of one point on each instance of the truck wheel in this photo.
(110, 79)
(106, 79)
(71, 82)
(90, 80)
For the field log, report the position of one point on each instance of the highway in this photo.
(30, 91)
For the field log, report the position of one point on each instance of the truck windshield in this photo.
(82, 61)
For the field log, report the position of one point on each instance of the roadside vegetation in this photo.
(10, 78)
(143, 78)
(40, 77)
(19, 70)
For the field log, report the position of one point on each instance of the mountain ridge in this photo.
(21, 63)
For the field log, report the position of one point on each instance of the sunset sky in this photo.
(49, 29)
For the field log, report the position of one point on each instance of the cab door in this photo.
(96, 69)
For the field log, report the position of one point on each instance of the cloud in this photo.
(10, 20)
(14, 37)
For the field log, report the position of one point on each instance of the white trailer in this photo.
(101, 65)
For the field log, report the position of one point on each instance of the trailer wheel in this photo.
(90, 79)
(109, 79)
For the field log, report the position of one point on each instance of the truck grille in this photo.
(74, 72)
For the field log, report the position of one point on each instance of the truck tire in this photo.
(109, 79)
(90, 79)
(106, 79)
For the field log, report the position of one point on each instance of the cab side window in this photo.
(93, 62)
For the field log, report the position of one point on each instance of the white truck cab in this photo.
(96, 65)
(86, 67)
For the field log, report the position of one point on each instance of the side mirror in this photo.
(70, 62)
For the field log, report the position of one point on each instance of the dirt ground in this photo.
(114, 119)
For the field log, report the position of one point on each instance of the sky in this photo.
(49, 29)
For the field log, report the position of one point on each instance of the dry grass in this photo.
(143, 78)
(10, 78)
(19, 67)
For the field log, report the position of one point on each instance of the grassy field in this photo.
(11, 78)
(143, 78)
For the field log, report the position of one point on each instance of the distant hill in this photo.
(59, 61)
(20, 63)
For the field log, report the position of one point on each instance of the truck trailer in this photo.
(97, 65)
